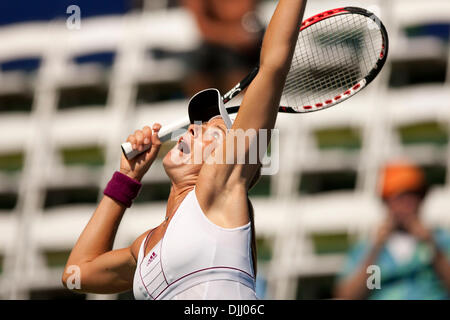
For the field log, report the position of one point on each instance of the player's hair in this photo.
(251, 216)
(253, 243)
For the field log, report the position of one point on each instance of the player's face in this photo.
(195, 146)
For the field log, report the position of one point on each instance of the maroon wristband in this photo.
(122, 189)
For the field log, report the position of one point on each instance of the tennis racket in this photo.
(338, 53)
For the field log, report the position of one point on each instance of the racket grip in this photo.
(129, 152)
(164, 134)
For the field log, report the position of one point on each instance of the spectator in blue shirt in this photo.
(413, 261)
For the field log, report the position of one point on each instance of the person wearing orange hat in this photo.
(412, 261)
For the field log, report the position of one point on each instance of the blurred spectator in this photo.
(232, 35)
(413, 260)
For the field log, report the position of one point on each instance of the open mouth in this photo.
(183, 146)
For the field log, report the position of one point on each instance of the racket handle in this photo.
(240, 86)
(164, 134)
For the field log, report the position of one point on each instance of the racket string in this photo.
(332, 78)
(330, 57)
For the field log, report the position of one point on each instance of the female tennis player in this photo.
(204, 249)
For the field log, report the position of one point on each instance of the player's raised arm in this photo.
(260, 105)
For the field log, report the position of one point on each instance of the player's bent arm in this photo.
(96, 240)
(99, 234)
(103, 270)
(111, 272)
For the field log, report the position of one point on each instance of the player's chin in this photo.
(175, 158)
(168, 160)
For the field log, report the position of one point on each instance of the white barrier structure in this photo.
(287, 219)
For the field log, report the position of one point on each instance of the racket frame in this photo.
(350, 91)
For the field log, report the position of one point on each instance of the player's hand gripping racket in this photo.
(338, 53)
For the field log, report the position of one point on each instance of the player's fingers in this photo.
(155, 137)
(139, 139)
(132, 139)
(156, 127)
(147, 134)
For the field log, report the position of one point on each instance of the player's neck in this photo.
(178, 192)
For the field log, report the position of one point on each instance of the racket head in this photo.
(338, 53)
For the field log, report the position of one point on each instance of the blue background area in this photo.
(440, 30)
(13, 11)
(19, 11)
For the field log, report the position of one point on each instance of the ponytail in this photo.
(253, 241)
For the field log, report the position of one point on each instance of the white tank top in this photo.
(196, 259)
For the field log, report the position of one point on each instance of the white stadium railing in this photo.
(284, 217)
